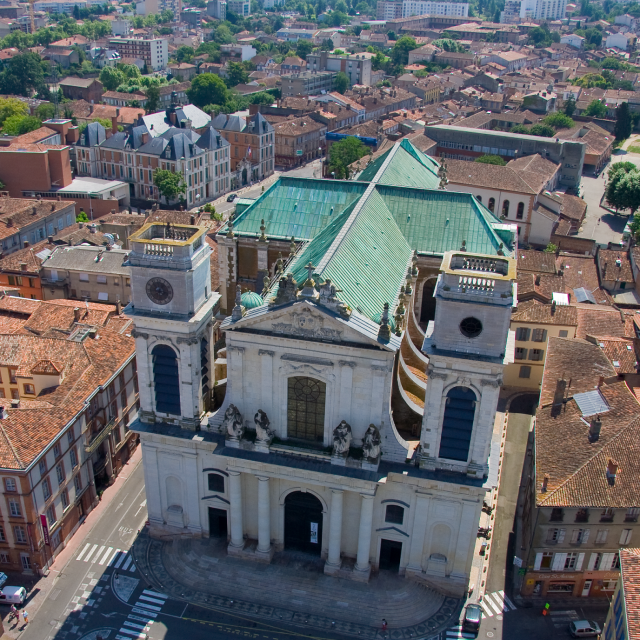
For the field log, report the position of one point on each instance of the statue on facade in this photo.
(341, 439)
(287, 290)
(371, 444)
(328, 298)
(263, 432)
(232, 422)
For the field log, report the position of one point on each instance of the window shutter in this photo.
(601, 536)
(558, 561)
(579, 562)
(585, 536)
(575, 536)
(625, 536)
(538, 562)
(544, 335)
(607, 561)
(561, 534)
(592, 561)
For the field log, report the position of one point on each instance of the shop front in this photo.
(538, 584)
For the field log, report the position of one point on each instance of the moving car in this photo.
(584, 629)
(13, 595)
(472, 618)
(232, 197)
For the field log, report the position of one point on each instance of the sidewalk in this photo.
(292, 589)
(41, 588)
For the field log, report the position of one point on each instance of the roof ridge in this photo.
(13, 449)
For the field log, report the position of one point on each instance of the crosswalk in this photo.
(143, 615)
(103, 555)
(457, 632)
(496, 603)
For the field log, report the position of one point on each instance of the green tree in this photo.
(491, 159)
(46, 111)
(596, 109)
(623, 122)
(343, 153)
(341, 82)
(153, 99)
(184, 54)
(223, 35)
(236, 74)
(111, 78)
(169, 183)
(543, 130)
(105, 122)
(23, 75)
(19, 125)
(627, 191)
(447, 44)
(635, 227)
(519, 128)
(401, 49)
(130, 71)
(207, 88)
(82, 217)
(550, 248)
(559, 121)
(12, 107)
(570, 105)
(617, 172)
(304, 48)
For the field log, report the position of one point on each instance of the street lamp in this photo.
(333, 173)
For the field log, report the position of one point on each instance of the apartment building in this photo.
(98, 274)
(241, 7)
(623, 618)
(543, 9)
(386, 10)
(69, 391)
(251, 146)
(307, 83)
(581, 500)
(427, 7)
(154, 51)
(217, 9)
(357, 67)
(299, 140)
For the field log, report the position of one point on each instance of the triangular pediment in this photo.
(304, 320)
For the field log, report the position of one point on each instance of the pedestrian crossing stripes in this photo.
(457, 632)
(496, 603)
(104, 555)
(138, 623)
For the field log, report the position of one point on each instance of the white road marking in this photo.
(133, 625)
(486, 609)
(146, 612)
(155, 594)
(83, 551)
(97, 554)
(123, 555)
(95, 546)
(107, 553)
(127, 563)
(148, 599)
(490, 602)
(113, 557)
(144, 605)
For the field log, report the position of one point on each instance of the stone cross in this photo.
(310, 269)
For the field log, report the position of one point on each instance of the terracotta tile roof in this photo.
(620, 351)
(630, 576)
(577, 471)
(16, 213)
(298, 126)
(614, 265)
(478, 174)
(32, 137)
(536, 312)
(11, 325)
(536, 261)
(573, 207)
(20, 306)
(600, 320)
(578, 271)
(27, 256)
(58, 319)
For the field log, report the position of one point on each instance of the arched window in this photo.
(479, 198)
(492, 204)
(305, 408)
(457, 424)
(520, 213)
(505, 208)
(166, 379)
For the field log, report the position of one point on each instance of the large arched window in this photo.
(305, 408)
(505, 208)
(520, 212)
(492, 204)
(457, 424)
(166, 379)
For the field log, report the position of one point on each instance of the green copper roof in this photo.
(298, 207)
(406, 167)
(251, 300)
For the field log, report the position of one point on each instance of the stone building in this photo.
(312, 448)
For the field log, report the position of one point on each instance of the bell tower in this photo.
(172, 307)
(467, 348)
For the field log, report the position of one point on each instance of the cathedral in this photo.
(366, 328)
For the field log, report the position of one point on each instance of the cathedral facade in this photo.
(309, 450)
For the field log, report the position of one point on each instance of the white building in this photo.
(310, 374)
(121, 27)
(573, 40)
(425, 7)
(622, 41)
(241, 7)
(511, 13)
(154, 51)
(543, 9)
(628, 21)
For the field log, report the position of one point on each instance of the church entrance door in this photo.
(390, 552)
(303, 522)
(217, 523)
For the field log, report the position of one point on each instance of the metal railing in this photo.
(100, 437)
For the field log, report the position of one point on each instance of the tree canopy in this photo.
(111, 78)
(401, 49)
(596, 109)
(623, 186)
(23, 74)
(207, 88)
(491, 159)
(559, 121)
(343, 153)
(624, 123)
(341, 82)
(19, 125)
(169, 183)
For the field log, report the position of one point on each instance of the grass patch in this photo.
(633, 149)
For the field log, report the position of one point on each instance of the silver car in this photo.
(584, 629)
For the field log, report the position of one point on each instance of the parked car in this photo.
(13, 595)
(472, 618)
(232, 197)
(584, 629)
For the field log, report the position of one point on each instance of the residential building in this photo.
(623, 618)
(307, 83)
(217, 9)
(468, 144)
(120, 99)
(624, 41)
(174, 94)
(182, 71)
(236, 52)
(21, 269)
(154, 51)
(424, 53)
(543, 9)
(89, 89)
(53, 6)
(357, 67)
(616, 276)
(580, 505)
(98, 274)
(63, 57)
(8, 25)
(298, 141)
(388, 9)
(267, 336)
(121, 27)
(455, 60)
(241, 7)
(628, 21)
(511, 12)
(435, 8)
(70, 393)
(573, 39)
(251, 146)
(293, 35)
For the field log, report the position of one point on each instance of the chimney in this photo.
(114, 124)
(34, 210)
(38, 197)
(9, 222)
(25, 244)
(15, 404)
(537, 280)
(90, 109)
(58, 197)
(23, 266)
(53, 206)
(92, 228)
(118, 307)
(76, 314)
(553, 307)
(594, 429)
(545, 482)
(600, 381)
(558, 396)
(612, 471)
(50, 239)
(192, 220)
(145, 137)
(81, 225)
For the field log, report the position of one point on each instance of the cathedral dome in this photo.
(251, 300)
(377, 318)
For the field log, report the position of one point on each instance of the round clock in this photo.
(159, 291)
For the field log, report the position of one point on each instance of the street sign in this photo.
(517, 561)
(299, 152)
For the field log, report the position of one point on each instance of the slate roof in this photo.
(89, 259)
(161, 122)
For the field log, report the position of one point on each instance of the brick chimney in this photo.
(594, 429)
(114, 124)
(545, 482)
(76, 314)
(612, 471)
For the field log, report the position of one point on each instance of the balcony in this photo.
(99, 437)
(59, 282)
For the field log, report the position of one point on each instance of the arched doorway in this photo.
(244, 176)
(428, 307)
(305, 408)
(303, 522)
(166, 379)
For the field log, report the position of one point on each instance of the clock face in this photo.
(159, 291)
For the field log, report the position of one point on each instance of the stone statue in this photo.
(262, 426)
(287, 290)
(371, 444)
(328, 298)
(233, 422)
(341, 439)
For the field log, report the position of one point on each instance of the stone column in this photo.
(333, 562)
(109, 459)
(364, 535)
(235, 495)
(418, 533)
(264, 516)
